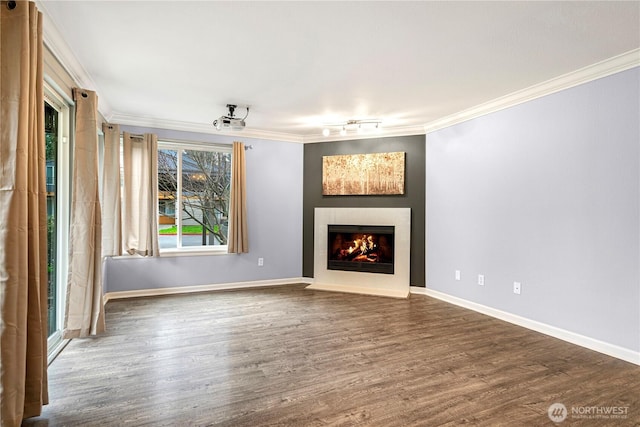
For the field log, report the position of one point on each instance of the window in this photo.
(194, 182)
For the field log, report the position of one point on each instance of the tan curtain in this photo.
(23, 216)
(238, 233)
(84, 313)
(110, 202)
(140, 198)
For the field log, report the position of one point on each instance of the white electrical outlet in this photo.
(457, 274)
(517, 288)
(260, 262)
(481, 279)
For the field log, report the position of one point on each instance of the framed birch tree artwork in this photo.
(363, 174)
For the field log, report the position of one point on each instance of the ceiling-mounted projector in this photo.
(231, 122)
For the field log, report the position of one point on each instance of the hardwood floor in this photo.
(286, 356)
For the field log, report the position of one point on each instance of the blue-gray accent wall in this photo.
(545, 193)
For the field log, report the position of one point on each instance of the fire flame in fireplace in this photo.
(363, 250)
(360, 248)
(364, 244)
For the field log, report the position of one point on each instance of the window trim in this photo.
(175, 144)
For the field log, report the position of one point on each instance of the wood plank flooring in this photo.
(286, 356)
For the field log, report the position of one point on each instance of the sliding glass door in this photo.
(51, 141)
(56, 122)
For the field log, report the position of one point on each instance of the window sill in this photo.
(197, 251)
(168, 253)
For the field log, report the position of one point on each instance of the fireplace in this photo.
(364, 248)
(394, 221)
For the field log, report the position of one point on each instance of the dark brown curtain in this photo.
(23, 215)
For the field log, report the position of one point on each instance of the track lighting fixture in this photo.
(360, 126)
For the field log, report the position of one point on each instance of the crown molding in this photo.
(383, 133)
(208, 128)
(178, 125)
(592, 72)
(53, 39)
(62, 52)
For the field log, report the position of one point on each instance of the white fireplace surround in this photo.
(391, 285)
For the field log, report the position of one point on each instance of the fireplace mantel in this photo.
(391, 285)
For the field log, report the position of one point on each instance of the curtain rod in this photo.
(133, 135)
(140, 136)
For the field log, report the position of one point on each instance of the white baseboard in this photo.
(571, 337)
(202, 288)
(581, 340)
(350, 289)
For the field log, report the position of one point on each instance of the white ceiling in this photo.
(300, 64)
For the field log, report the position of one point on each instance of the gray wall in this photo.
(274, 210)
(545, 193)
(413, 198)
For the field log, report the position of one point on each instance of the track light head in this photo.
(360, 126)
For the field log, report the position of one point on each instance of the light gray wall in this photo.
(545, 193)
(274, 210)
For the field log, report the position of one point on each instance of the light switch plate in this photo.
(517, 288)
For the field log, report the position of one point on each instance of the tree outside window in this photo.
(200, 180)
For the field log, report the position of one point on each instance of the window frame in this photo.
(56, 100)
(179, 146)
